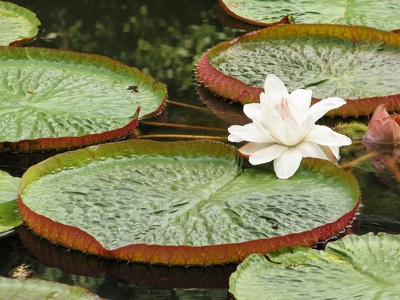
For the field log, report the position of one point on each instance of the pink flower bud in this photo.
(383, 127)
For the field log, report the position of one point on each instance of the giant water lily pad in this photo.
(40, 289)
(19, 25)
(355, 267)
(59, 99)
(181, 203)
(9, 217)
(378, 14)
(358, 64)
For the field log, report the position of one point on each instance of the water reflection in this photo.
(164, 39)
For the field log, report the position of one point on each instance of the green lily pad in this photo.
(61, 99)
(9, 217)
(22, 25)
(379, 14)
(40, 289)
(355, 267)
(181, 203)
(358, 64)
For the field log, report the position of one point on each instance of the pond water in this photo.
(165, 39)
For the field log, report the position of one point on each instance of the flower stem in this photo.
(183, 136)
(391, 163)
(204, 109)
(184, 126)
(358, 160)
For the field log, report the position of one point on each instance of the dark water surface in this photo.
(165, 39)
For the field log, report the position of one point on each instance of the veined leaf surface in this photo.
(19, 25)
(358, 64)
(378, 14)
(35, 289)
(181, 203)
(59, 99)
(355, 267)
(9, 217)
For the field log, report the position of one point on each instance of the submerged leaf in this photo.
(181, 203)
(358, 64)
(355, 267)
(62, 99)
(21, 24)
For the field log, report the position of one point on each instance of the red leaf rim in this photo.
(237, 91)
(227, 20)
(60, 143)
(25, 12)
(284, 20)
(69, 142)
(258, 24)
(181, 255)
(77, 263)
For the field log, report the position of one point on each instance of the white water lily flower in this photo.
(284, 129)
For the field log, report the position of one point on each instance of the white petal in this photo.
(305, 127)
(287, 163)
(301, 99)
(251, 148)
(263, 130)
(307, 149)
(247, 132)
(267, 154)
(288, 133)
(272, 119)
(332, 152)
(320, 108)
(324, 135)
(274, 88)
(253, 111)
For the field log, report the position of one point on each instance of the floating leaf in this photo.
(78, 263)
(21, 24)
(55, 99)
(9, 217)
(40, 289)
(378, 14)
(359, 64)
(181, 203)
(355, 267)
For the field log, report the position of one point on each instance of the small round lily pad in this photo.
(19, 24)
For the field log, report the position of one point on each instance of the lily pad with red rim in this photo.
(377, 14)
(359, 64)
(19, 24)
(54, 99)
(181, 203)
(355, 267)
